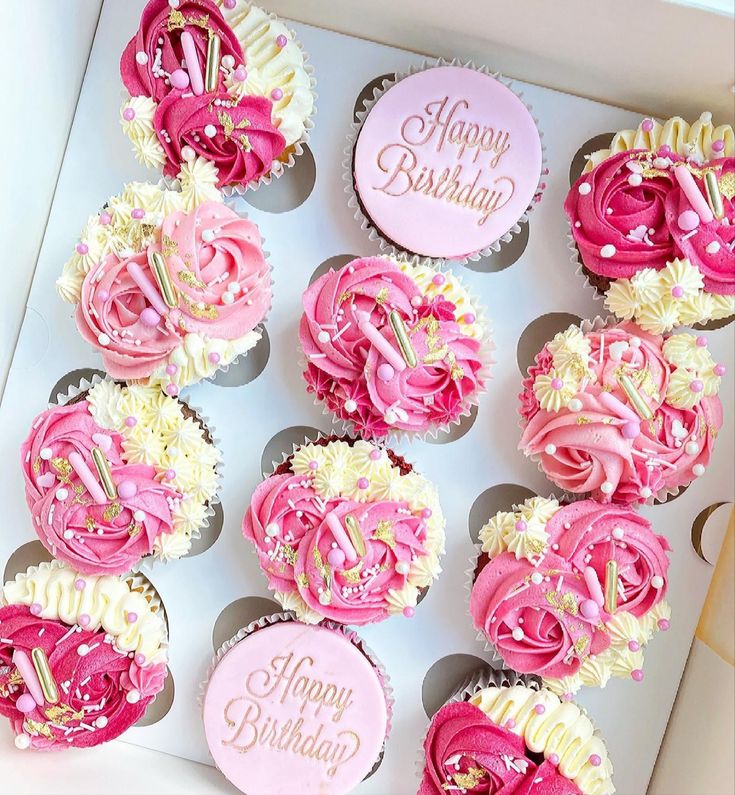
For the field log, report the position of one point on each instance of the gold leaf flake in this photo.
(245, 143)
(169, 246)
(302, 581)
(384, 532)
(133, 529)
(90, 524)
(63, 469)
(583, 420)
(727, 185)
(37, 465)
(112, 512)
(344, 297)
(187, 277)
(242, 124)
(209, 312)
(228, 125)
(466, 781)
(353, 575)
(455, 371)
(382, 296)
(581, 644)
(176, 20)
(290, 554)
(564, 602)
(14, 679)
(35, 728)
(63, 713)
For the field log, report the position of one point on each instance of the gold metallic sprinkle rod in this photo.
(611, 586)
(404, 343)
(103, 470)
(163, 277)
(634, 396)
(714, 197)
(45, 677)
(356, 539)
(212, 70)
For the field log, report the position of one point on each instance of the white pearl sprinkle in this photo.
(537, 578)
(698, 470)
(692, 448)
(585, 188)
(618, 533)
(608, 250)
(575, 404)
(132, 697)
(227, 61)
(323, 336)
(403, 567)
(68, 534)
(272, 529)
(207, 235)
(657, 582)
(350, 406)
(324, 598)
(141, 57)
(188, 153)
(606, 487)
(103, 339)
(83, 650)
(227, 298)
(61, 494)
(139, 516)
(22, 742)
(234, 288)
(46, 453)
(518, 633)
(101, 722)
(210, 130)
(645, 492)
(635, 342)
(635, 180)
(713, 247)
(550, 449)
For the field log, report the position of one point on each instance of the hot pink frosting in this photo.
(203, 272)
(291, 503)
(609, 210)
(103, 677)
(589, 447)
(462, 730)
(347, 366)
(556, 636)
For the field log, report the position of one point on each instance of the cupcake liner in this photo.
(486, 355)
(663, 495)
(77, 392)
(353, 201)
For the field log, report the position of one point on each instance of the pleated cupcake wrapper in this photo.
(353, 203)
(146, 564)
(596, 324)
(287, 616)
(486, 352)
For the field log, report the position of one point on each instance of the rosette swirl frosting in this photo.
(546, 605)
(344, 533)
(614, 413)
(347, 325)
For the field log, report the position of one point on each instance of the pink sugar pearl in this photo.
(82, 248)
(696, 386)
(375, 454)
(647, 125)
(140, 659)
(677, 291)
(688, 220)
(631, 429)
(79, 585)
(229, 4)
(214, 357)
(179, 79)
(276, 94)
(131, 422)
(664, 150)
(426, 513)
(36, 609)
(171, 369)
(363, 483)
(172, 390)
(127, 489)
(26, 703)
(149, 317)
(128, 114)
(170, 474)
(336, 558)
(521, 526)
(554, 759)
(281, 40)
(539, 709)
(103, 295)
(595, 760)
(105, 218)
(83, 620)
(240, 74)
(718, 145)
(409, 612)
(589, 609)
(556, 383)
(469, 318)
(636, 675)
(439, 279)
(702, 341)
(385, 372)
(633, 645)
(313, 465)
(137, 213)
(664, 624)
(719, 369)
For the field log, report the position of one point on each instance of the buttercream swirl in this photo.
(346, 327)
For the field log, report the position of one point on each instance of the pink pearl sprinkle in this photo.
(128, 114)
(702, 341)
(688, 220)
(426, 513)
(631, 429)
(170, 474)
(83, 620)
(375, 454)
(140, 659)
(385, 372)
(172, 390)
(595, 760)
(696, 385)
(567, 696)
(79, 585)
(647, 125)
(363, 483)
(677, 291)
(718, 145)
(240, 74)
(131, 422)
(82, 248)
(281, 40)
(105, 218)
(469, 317)
(664, 150)
(36, 609)
(554, 759)
(137, 213)
(103, 295)
(664, 624)
(521, 526)
(132, 618)
(179, 79)
(214, 357)
(276, 94)
(149, 317)
(409, 612)
(539, 709)
(556, 383)
(439, 279)
(230, 4)
(313, 465)
(26, 703)
(416, 300)
(637, 675)
(171, 369)
(336, 557)
(633, 645)
(510, 724)
(127, 489)
(719, 369)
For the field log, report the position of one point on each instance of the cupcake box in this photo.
(98, 162)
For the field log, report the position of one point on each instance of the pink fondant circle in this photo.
(447, 132)
(255, 697)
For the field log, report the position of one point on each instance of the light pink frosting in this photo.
(345, 368)
(594, 451)
(295, 703)
(93, 687)
(461, 731)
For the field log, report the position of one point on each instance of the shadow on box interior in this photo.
(290, 190)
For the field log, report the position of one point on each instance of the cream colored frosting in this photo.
(686, 140)
(106, 600)
(562, 728)
(500, 534)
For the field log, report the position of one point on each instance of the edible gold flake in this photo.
(727, 184)
(290, 554)
(208, 313)
(90, 524)
(63, 469)
(35, 728)
(245, 143)
(187, 277)
(63, 713)
(227, 122)
(37, 465)
(353, 575)
(563, 601)
(344, 297)
(112, 512)
(302, 581)
(382, 296)
(455, 371)
(466, 781)
(580, 645)
(169, 246)
(133, 529)
(384, 532)
(176, 19)
(14, 679)
(583, 420)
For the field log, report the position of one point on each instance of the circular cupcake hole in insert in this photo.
(444, 677)
(210, 534)
(366, 94)
(239, 614)
(72, 378)
(579, 161)
(540, 331)
(500, 497)
(456, 430)
(509, 254)
(161, 705)
(283, 443)
(290, 190)
(332, 264)
(27, 555)
(248, 367)
(708, 530)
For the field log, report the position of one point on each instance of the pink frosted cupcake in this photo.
(652, 223)
(81, 657)
(619, 414)
(118, 474)
(169, 285)
(222, 87)
(394, 348)
(570, 593)
(347, 531)
(502, 733)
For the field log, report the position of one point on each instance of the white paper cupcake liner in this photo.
(388, 247)
(146, 564)
(485, 354)
(663, 495)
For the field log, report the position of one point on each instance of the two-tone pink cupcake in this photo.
(219, 86)
(117, 474)
(619, 414)
(652, 223)
(81, 657)
(346, 530)
(394, 349)
(170, 286)
(571, 593)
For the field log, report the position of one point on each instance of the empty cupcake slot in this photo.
(538, 332)
(27, 555)
(161, 705)
(508, 255)
(239, 614)
(456, 431)
(283, 442)
(288, 192)
(440, 681)
(579, 161)
(496, 498)
(248, 367)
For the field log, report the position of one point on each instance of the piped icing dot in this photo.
(557, 383)
(281, 40)
(698, 470)
(521, 526)
(214, 357)
(539, 709)
(363, 483)
(79, 584)
(276, 94)
(606, 487)
(696, 385)
(133, 696)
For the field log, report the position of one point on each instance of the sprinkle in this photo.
(341, 331)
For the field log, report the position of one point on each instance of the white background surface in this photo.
(97, 162)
